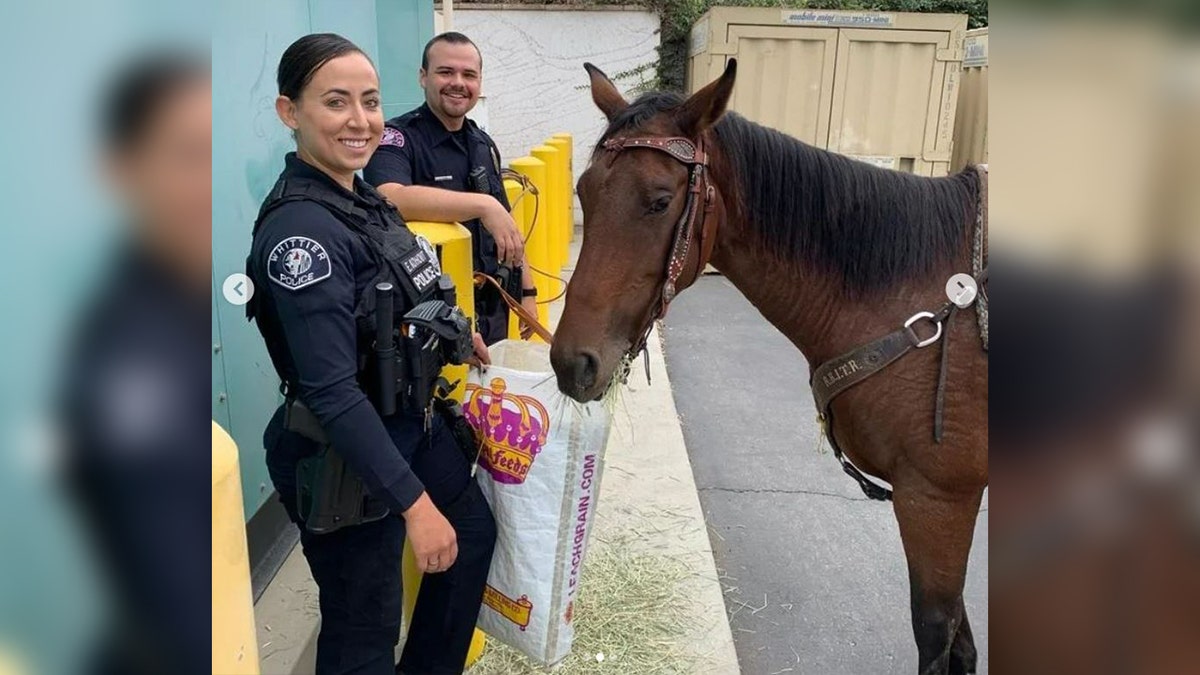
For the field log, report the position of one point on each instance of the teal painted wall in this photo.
(249, 143)
(59, 228)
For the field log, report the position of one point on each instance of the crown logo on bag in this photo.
(513, 426)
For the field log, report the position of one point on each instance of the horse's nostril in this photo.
(577, 369)
(587, 363)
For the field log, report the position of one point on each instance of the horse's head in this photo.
(647, 207)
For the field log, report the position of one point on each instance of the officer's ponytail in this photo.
(305, 56)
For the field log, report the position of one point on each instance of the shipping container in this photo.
(878, 86)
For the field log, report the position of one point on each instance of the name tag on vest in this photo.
(421, 269)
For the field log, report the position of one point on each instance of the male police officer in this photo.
(435, 164)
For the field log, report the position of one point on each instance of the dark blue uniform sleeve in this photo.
(392, 161)
(309, 267)
(501, 195)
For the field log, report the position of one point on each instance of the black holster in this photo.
(510, 279)
(329, 495)
(465, 436)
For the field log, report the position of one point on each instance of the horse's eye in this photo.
(659, 205)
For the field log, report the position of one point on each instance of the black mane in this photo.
(874, 227)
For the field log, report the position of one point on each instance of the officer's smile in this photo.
(356, 143)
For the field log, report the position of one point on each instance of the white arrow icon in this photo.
(961, 289)
(238, 289)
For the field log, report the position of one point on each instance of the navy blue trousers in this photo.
(357, 568)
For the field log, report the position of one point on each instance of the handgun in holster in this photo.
(329, 495)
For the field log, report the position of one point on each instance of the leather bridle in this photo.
(695, 223)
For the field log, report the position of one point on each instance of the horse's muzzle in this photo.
(576, 373)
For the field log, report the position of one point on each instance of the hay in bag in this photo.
(540, 471)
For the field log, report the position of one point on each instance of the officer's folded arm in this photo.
(419, 202)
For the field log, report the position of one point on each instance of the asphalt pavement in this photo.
(813, 573)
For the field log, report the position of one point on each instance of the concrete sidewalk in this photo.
(647, 490)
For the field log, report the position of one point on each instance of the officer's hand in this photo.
(530, 305)
(434, 543)
(482, 357)
(510, 248)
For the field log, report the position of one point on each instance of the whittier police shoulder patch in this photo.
(297, 262)
(393, 137)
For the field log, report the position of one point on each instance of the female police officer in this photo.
(323, 241)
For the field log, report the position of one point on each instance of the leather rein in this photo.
(694, 225)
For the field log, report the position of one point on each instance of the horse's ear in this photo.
(604, 93)
(705, 107)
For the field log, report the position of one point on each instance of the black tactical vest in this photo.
(407, 262)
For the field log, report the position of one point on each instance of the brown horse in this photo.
(834, 253)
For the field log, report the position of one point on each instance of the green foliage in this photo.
(641, 77)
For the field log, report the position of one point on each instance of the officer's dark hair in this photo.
(306, 56)
(139, 90)
(454, 38)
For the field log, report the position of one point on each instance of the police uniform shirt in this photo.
(309, 270)
(417, 149)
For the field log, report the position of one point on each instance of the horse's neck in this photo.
(802, 305)
(810, 306)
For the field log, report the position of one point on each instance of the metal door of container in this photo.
(970, 125)
(785, 78)
(894, 97)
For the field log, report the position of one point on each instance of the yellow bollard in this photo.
(565, 217)
(234, 641)
(11, 663)
(517, 203)
(571, 178)
(537, 251)
(453, 243)
(514, 189)
(552, 203)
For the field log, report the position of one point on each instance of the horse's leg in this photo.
(936, 530)
(963, 656)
